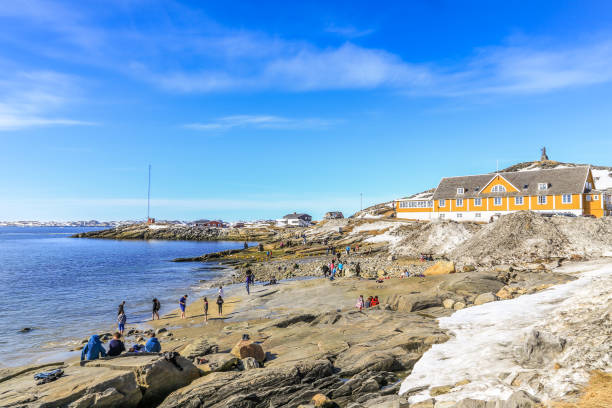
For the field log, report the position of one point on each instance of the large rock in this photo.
(484, 298)
(198, 348)
(448, 303)
(248, 363)
(440, 268)
(248, 348)
(321, 401)
(220, 362)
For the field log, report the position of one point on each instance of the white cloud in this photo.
(348, 31)
(33, 98)
(259, 122)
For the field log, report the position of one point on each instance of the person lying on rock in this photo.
(153, 345)
(116, 346)
(93, 349)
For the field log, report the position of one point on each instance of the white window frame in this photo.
(477, 215)
(498, 188)
(542, 200)
(459, 215)
(542, 186)
(442, 203)
(566, 199)
(478, 202)
(519, 198)
(495, 200)
(460, 190)
(459, 200)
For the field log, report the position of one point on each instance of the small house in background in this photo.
(216, 224)
(333, 215)
(201, 223)
(150, 220)
(294, 220)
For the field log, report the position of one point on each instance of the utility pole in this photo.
(360, 201)
(149, 195)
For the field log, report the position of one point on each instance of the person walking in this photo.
(121, 319)
(348, 250)
(183, 305)
(247, 282)
(220, 305)
(340, 268)
(205, 309)
(156, 307)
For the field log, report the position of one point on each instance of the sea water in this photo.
(65, 288)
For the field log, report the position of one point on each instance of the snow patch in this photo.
(602, 178)
(489, 340)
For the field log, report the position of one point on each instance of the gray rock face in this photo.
(199, 348)
(539, 348)
(248, 363)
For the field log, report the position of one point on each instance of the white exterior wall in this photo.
(485, 216)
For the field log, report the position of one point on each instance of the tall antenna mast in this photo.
(149, 195)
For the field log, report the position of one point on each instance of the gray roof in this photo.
(295, 215)
(560, 181)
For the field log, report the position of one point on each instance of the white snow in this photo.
(158, 226)
(374, 226)
(602, 178)
(486, 339)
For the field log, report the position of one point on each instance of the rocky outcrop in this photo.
(440, 268)
(248, 348)
(126, 381)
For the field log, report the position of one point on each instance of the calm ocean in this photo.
(66, 288)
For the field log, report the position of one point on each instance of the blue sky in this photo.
(250, 110)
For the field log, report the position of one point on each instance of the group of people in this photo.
(333, 268)
(94, 349)
(331, 250)
(371, 301)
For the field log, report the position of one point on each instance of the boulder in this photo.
(248, 348)
(469, 268)
(484, 298)
(160, 330)
(448, 303)
(321, 401)
(198, 348)
(248, 363)
(220, 362)
(440, 268)
(459, 306)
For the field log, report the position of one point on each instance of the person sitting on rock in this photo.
(360, 303)
(93, 349)
(368, 302)
(374, 302)
(116, 346)
(153, 345)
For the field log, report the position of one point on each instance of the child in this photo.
(205, 309)
(221, 291)
(116, 346)
(368, 302)
(93, 349)
(156, 307)
(220, 305)
(183, 304)
(360, 302)
(375, 301)
(121, 319)
(152, 345)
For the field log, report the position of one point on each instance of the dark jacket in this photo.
(115, 347)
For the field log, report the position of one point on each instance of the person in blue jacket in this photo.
(153, 346)
(93, 349)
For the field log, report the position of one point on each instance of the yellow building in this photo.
(568, 191)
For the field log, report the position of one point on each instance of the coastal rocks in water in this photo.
(160, 330)
(484, 298)
(25, 330)
(440, 268)
(248, 348)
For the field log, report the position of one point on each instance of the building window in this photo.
(498, 188)
(442, 215)
(525, 187)
(460, 202)
(541, 200)
(460, 190)
(459, 215)
(566, 199)
(497, 201)
(542, 186)
(478, 202)
(518, 201)
(477, 215)
(595, 197)
(442, 203)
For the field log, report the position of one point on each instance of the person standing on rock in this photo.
(183, 305)
(221, 291)
(121, 308)
(340, 268)
(348, 250)
(205, 309)
(220, 305)
(156, 307)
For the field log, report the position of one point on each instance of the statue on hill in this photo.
(544, 156)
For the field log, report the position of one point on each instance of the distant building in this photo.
(333, 215)
(568, 190)
(294, 220)
(216, 224)
(201, 223)
(150, 220)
